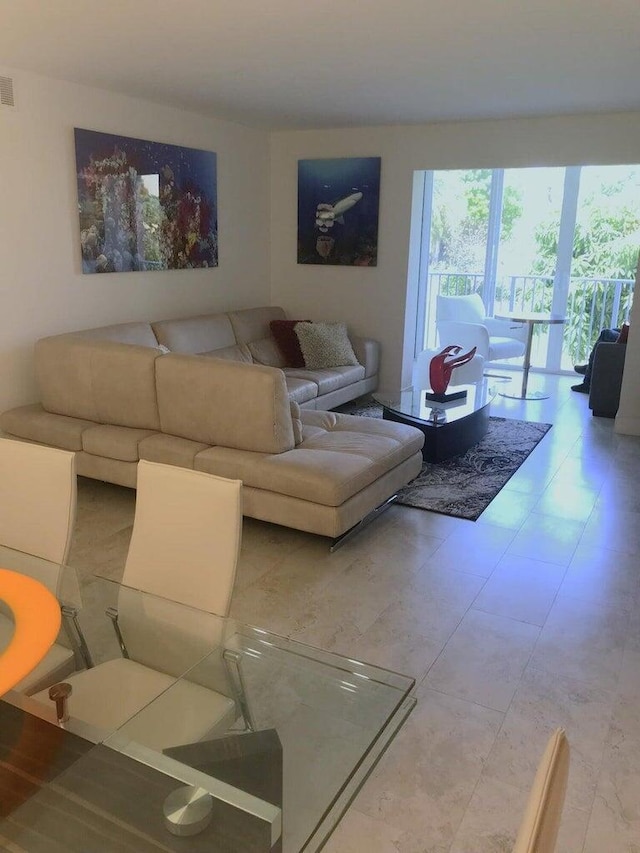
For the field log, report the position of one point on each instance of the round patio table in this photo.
(530, 318)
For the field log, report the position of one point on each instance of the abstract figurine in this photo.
(441, 367)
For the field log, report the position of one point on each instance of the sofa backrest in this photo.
(227, 403)
(98, 380)
(195, 334)
(251, 327)
(124, 333)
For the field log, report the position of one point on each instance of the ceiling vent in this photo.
(6, 93)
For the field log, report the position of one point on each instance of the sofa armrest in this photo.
(368, 354)
(506, 329)
(465, 335)
(606, 379)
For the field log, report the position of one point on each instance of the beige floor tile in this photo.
(509, 509)
(425, 780)
(484, 660)
(602, 576)
(475, 550)
(613, 527)
(492, 820)
(625, 721)
(412, 631)
(614, 826)
(564, 500)
(583, 472)
(105, 556)
(334, 613)
(522, 589)
(583, 640)
(532, 480)
(541, 704)
(543, 538)
(410, 522)
(264, 546)
(358, 832)
(619, 492)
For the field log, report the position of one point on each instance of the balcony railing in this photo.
(593, 304)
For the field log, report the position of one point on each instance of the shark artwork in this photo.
(338, 211)
(328, 214)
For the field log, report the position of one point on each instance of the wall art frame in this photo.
(145, 205)
(338, 205)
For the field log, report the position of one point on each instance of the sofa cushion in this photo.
(238, 352)
(114, 442)
(297, 422)
(101, 381)
(300, 390)
(328, 380)
(195, 334)
(342, 456)
(325, 345)
(266, 351)
(212, 401)
(284, 333)
(170, 449)
(252, 324)
(35, 424)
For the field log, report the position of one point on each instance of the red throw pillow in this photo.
(284, 333)
(624, 334)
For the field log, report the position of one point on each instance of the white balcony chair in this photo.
(184, 550)
(539, 827)
(461, 320)
(37, 514)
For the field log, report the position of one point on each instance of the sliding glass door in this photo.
(541, 239)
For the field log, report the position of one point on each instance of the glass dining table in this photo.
(303, 730)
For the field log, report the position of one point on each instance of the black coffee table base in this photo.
(444, 440)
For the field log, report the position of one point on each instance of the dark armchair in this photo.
(606, 379)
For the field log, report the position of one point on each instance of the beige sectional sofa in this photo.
(114, 397)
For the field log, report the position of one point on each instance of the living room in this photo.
(45, 293)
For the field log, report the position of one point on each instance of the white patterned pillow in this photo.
(325, 345)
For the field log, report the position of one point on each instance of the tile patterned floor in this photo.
(527, 619)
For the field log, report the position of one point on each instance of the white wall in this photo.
(373, 300)
(42, 288)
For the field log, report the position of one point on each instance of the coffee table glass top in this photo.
(412, 403)
(324, 717)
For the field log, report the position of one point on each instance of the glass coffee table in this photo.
(449, 428)
(306, 728)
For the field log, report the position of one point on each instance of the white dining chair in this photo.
(179, 572)
(37, 515)
(462, 320)
(541, 821)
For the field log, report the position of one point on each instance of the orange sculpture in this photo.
(36, 614)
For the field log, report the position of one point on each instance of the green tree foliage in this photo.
(460, 222)
(478, 199)
(605, 246)
(606, 240)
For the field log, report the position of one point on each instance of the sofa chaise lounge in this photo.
(114, 397)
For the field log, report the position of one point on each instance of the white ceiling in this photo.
(336, 63)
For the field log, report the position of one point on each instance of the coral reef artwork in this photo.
(145, 205)
(338, 203)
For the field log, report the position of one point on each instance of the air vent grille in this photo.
(6, 92)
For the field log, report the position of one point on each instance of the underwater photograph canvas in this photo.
(338, 203)
(145, 205)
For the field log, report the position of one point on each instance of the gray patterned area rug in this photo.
(465, 485)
